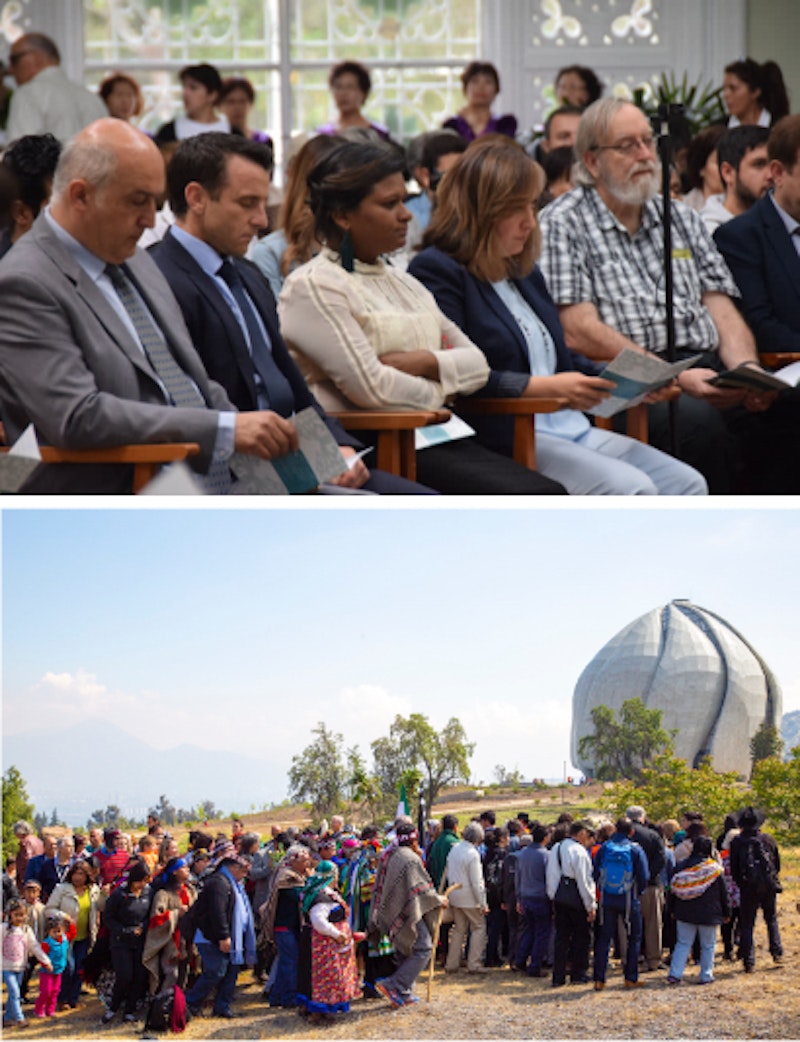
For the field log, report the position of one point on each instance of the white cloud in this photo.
(529, 737)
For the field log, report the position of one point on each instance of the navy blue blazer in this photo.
(477, 309)
(766, 266)
(218, 337)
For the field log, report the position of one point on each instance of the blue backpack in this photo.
(616, 875)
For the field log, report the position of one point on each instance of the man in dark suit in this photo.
(218, 186)
(762, 247)
(93, 348)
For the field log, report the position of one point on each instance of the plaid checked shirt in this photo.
(589, 257)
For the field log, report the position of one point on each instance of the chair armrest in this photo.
(146, 459)
(395, 448)
(522, 410)
(777, 359)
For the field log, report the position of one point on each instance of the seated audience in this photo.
(603, 264)
(702, 169)
(31, 161)
(236, 101)
(479, 264)
(481, 84)
(430, 156)
(557, 166)
(369, 336)
(577, 85)
(201, 92)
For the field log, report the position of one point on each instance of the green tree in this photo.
(364, 789)
(670, 786)
(622, 748)
(318, 774)
(776, 788)
(441, 757)
(766, 742)
(16, 807)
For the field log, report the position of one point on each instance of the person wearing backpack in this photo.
(571, 889)
(622, 874)
(496, 841)
(755, 867)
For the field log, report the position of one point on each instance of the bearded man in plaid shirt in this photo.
(602, 257)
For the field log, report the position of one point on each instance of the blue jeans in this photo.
(218, 972)
(284, 987)
(12, 980)
(71, 980)
(686, 933)
(606, 934)
(537, 923)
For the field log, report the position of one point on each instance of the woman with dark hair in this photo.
(166, 951)
(236, 100)
(698, 900)
(368, 336)
(126, 915)
(481, 84)
(350, 84)
(754, 93)
(294, 242)
(577, 85)
(122, 96)
(77, 897)
(480, 265)
(702, 169)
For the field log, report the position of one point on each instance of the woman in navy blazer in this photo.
(479, 263)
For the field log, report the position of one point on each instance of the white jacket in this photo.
(575, 862)
(464, 867)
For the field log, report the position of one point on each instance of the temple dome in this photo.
(710, 683)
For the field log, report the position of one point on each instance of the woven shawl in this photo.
(695, 880)
(403, 895)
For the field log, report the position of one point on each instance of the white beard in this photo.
(634, 193)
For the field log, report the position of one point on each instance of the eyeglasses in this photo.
(629, 145)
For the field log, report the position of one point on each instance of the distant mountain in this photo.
(94, 764)
(790, 730)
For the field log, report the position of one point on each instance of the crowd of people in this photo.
(513, 273)
(330, 915)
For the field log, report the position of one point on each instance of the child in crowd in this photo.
(56, 948)
(35, 917)
(19, 943)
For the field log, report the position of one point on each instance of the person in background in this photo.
(77, 898)
(745, 172)
(754, 93)
(236, 101)
(201, 90)
(577, 85)
(557, 166)
(30, 846)
(122, 96)
(702, 169)
(481, 84)
(469, 903)
(31, 162)
(350, 84)
(56, 948)
(430, 156)
(699, 902)
(45, 100)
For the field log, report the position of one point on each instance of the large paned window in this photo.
(415, 50)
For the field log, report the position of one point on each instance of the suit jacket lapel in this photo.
(779, 240)
(496, 305)
(211, 292)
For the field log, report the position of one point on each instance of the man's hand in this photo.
(415, 363)
(695, 383)
(225, 946)
(581, 391)
(663, 394)
(355, 476)
(264, 434)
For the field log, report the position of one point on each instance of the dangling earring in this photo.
(346, 253)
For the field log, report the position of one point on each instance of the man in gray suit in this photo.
(93, 347)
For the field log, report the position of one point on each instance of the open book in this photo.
(750, 378)
(636, 375)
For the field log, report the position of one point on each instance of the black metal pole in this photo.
(661, 127)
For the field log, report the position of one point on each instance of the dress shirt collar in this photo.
(199, 250)
(93, 265)
(791, 224)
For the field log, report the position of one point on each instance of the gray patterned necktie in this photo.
(180, 388)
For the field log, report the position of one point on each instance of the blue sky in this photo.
(242, 628)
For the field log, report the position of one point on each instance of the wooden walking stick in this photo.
(436, 929)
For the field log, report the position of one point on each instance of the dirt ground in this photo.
(502, 1005)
